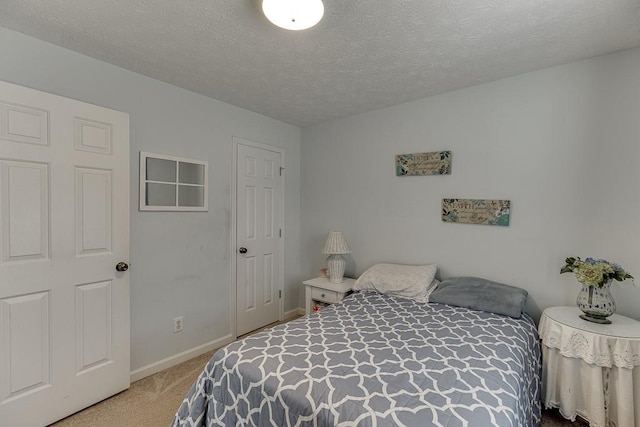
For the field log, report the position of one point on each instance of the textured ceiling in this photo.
(364, 54)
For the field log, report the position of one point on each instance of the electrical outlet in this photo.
(177, 324)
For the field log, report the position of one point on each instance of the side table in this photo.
(589, 369)
(320, 292)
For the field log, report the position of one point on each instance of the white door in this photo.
(64, 225)
(258, 237)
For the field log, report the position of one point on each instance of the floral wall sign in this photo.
(420, 164)
(476, 211)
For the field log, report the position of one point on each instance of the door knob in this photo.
(122, 266)
(242, 250)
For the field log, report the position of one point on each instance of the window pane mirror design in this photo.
(169, 183)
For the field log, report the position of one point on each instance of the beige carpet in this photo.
(152, 401)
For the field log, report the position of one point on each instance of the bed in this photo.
(375, 360)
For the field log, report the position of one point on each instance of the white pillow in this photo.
(432, 287)
(408, 281)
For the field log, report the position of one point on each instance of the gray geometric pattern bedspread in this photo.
(374, 360)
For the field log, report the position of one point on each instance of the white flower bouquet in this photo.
(595, 272)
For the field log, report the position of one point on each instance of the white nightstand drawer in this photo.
(319, 292)
(324, 295)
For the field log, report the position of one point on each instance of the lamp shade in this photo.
(336, 244)
(293, 14)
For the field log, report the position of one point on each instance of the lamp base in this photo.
(335, 268)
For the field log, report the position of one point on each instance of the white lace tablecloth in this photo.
(591, 370)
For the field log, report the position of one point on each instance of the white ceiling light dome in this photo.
(293, 14)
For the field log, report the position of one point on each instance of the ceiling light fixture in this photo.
(293, 14)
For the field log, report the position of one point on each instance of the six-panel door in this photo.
(64, 225)
(258, 206)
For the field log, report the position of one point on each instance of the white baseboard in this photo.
(294, 313)
(163, 364)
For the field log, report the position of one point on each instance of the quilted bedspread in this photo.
(375, 360)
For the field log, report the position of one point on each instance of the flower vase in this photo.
(597, 303)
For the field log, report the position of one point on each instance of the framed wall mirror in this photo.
(170, 183)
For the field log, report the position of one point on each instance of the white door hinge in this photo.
(279, 293)
(281, 169)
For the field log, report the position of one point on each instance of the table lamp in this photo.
(335, 246)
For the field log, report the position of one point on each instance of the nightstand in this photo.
(320, 292)
(589, 369)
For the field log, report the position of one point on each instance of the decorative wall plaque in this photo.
(476, 211)
(419, 164)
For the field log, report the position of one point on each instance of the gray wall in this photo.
(563, 144)
(180, 261)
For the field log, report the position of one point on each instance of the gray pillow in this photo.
(481, 294)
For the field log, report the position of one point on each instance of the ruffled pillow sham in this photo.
(407, 281)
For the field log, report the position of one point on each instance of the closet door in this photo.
(258, 231)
